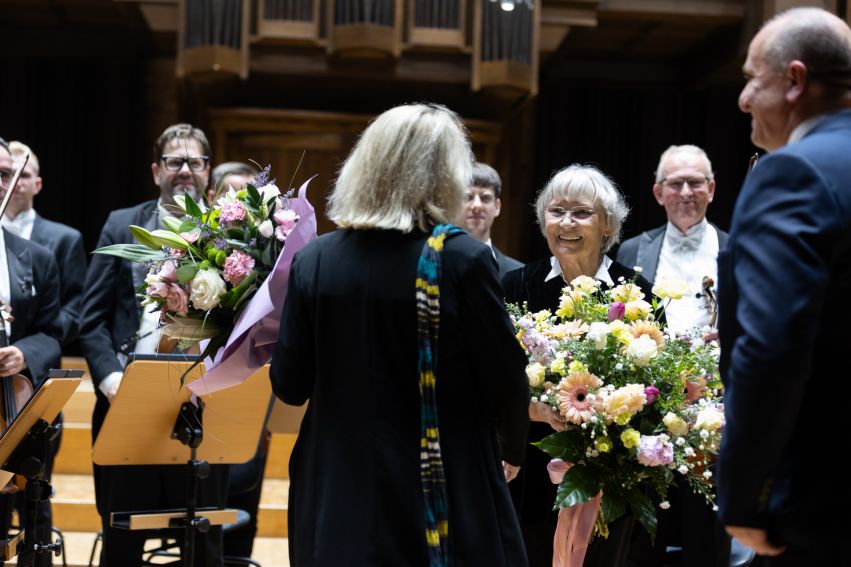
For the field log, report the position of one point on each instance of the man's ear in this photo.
(798, 76)
(711, 189)
(155, 172)
(497, 205)
(37, 185)
(657, 192)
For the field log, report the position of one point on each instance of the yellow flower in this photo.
(621, 331)
(558, 367)
(535, 372)
(603, 444)
(542, 315)
(576, 366)
(630, 438)
(649, 329)
(638, 309)
(675, 424)
(627, 292)
(565, 307)
(670, 287)
(625, 402)
(584, 284)
(710, 419)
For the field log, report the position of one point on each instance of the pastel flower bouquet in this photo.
(218, 271)
(640, 406)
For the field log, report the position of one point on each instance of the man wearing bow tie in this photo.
(29, 282)
(687, 246)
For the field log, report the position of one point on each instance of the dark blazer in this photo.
(34, 290)
(348, 344)
(66, 243)
(643, 250)
(784, 279)
(532, 491)
(505, 263)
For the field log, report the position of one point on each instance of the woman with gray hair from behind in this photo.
(405, 447)
(580, 212)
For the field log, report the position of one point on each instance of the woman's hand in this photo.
(510, 471)
(539, 411)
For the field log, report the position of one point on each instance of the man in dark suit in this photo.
(29, 283)
(66, 243)
(113, 325)
(481, 207)
(686, 249)
(784, 273)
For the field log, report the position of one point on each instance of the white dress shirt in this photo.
(21, 225)
(689, 257)
(602, 271)
(5, 290)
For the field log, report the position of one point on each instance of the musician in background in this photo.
(29, 283)
(66, 243)
(113, 325)
(685, 248)
(230, 174)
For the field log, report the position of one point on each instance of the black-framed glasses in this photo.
(175, 163)
(677, 183)
(578, 214)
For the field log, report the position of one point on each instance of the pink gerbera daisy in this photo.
(572, 395)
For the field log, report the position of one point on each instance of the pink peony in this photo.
(237, 266)
(655, 450)
(174, 295)
(232, 211)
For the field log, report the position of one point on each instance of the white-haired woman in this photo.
(580, 212)
(399, 457)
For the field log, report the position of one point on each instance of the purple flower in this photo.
(616, 311)
(655, 450)
(651, 393)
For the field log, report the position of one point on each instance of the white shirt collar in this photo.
(21, 225)
(602, 271)
(805, 128)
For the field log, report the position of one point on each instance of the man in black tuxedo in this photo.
(113, 325)
(481, 206)
(66, 243)
(29, 283)
(784, 277)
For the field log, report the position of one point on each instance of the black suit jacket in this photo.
(643, 250)
(34, 291)
(785, 279)
(348, 343)
(111, 310)
(66, 243)
(505, 263)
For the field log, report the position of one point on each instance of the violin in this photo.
(711, 300)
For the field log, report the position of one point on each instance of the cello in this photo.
(16, 389)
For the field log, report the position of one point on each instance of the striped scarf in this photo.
(431, 461)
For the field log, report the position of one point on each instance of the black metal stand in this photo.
(28, 460)
(189, 430)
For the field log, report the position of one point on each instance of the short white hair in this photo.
(410, 168)
(18, 149)
(684, 149)
(586, 182)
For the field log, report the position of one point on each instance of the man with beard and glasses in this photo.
(114, 325)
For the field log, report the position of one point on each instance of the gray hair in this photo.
(577, 182)
(684, 149)
(818, 39)
(410, 168)
(486, 177)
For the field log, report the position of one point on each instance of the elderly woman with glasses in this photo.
(581, 213)
(399, 457)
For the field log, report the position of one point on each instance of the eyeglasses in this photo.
(579, 214)
(6, 176)
(175, 163)
(676, 183)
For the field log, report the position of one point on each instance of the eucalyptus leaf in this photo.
(577, 486)
(186, 272)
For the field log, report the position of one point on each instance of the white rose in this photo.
(675, 424)
(642, 350)
(709, 419)
(269, 191)
(536, 372)
(266, 229)
(598, 333)
(205, 289)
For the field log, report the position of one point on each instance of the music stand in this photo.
(151, 421)
(23, 449)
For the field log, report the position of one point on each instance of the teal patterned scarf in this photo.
(431, 461)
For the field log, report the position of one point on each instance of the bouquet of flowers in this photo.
(639, 404)
(206, 267)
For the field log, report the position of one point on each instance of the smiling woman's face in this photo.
(575, 228)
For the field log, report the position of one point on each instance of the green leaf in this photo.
(612, 507)
(144, 237)
(132, 252)
(172, 224)
(562, 445)
(577, 486)
(186, 272)
(231, 298)
(254, 195)
(642, 508)
(188, 204)
(170, 239)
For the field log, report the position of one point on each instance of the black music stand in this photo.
(23, 451)
(151, 421)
